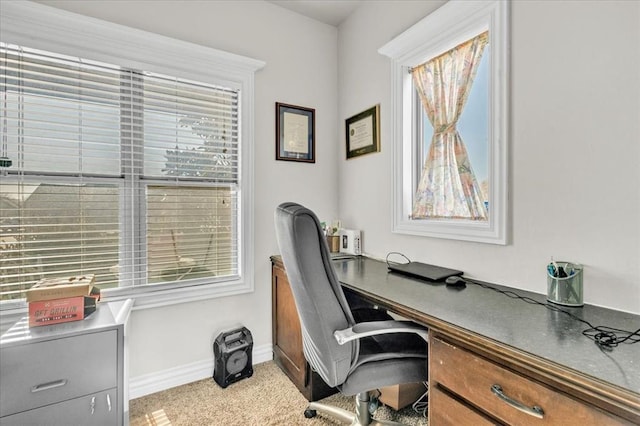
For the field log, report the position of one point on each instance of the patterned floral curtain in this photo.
(448, 187)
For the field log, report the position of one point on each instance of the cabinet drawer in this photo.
(38, 374)
(450, 412)
(97, 409)
(472, 378)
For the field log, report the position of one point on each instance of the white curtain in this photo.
(448, 187)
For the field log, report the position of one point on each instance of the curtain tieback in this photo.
(446, 128)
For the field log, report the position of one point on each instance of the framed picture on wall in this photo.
(363, 132)
(295, 133)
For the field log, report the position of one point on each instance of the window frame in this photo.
(453, 23)
(89, 38)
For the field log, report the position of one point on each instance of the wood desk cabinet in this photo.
(287, 338)
(70, 373)
(474, 379)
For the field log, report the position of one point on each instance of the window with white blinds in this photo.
(129, 175)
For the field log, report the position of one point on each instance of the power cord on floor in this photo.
(421, 405)
(605, 337)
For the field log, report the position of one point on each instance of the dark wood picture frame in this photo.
(363, 132)
(295, 133)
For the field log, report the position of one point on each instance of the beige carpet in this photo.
(266, 398)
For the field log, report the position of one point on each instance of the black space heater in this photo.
(232, 353)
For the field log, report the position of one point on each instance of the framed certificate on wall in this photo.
(363, 132)
(295, 133)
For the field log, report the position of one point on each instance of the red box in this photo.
(56, 311)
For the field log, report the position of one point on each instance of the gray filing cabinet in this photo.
(65, 374)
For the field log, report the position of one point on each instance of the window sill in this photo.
(145, 297)
(462, 230)
(148, 297)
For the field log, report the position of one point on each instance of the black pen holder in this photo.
(565, 290)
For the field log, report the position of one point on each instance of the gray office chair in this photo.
(354, 357)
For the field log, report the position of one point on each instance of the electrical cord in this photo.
(605, 337)
(399, 254)
(421, 406)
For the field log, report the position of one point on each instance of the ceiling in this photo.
(331, 12)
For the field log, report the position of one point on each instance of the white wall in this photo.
(575, 146)
(575, 98)
(301, 69)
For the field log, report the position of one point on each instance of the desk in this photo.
(545, 350)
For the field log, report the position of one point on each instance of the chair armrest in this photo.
(373, 328)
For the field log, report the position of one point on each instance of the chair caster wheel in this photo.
(374, 403)
(309, 414)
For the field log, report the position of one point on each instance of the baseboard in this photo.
(155, 382)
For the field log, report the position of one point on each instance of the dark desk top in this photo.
(533, 329)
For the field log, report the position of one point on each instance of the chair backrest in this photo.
(318, 296)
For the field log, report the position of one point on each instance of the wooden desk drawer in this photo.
(451, 412)
(43, 373)
(472, 378)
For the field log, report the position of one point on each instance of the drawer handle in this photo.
(534, 411)
(49, 385)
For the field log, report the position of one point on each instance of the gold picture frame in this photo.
(363, 132)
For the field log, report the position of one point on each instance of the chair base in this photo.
(361, 417)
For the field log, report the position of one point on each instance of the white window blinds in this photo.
(121, 173)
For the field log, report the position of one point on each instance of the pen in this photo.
(556, 268)
(570, 269)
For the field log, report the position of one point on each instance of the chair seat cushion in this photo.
(385, 360)
(377, 374)
(392, 345)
